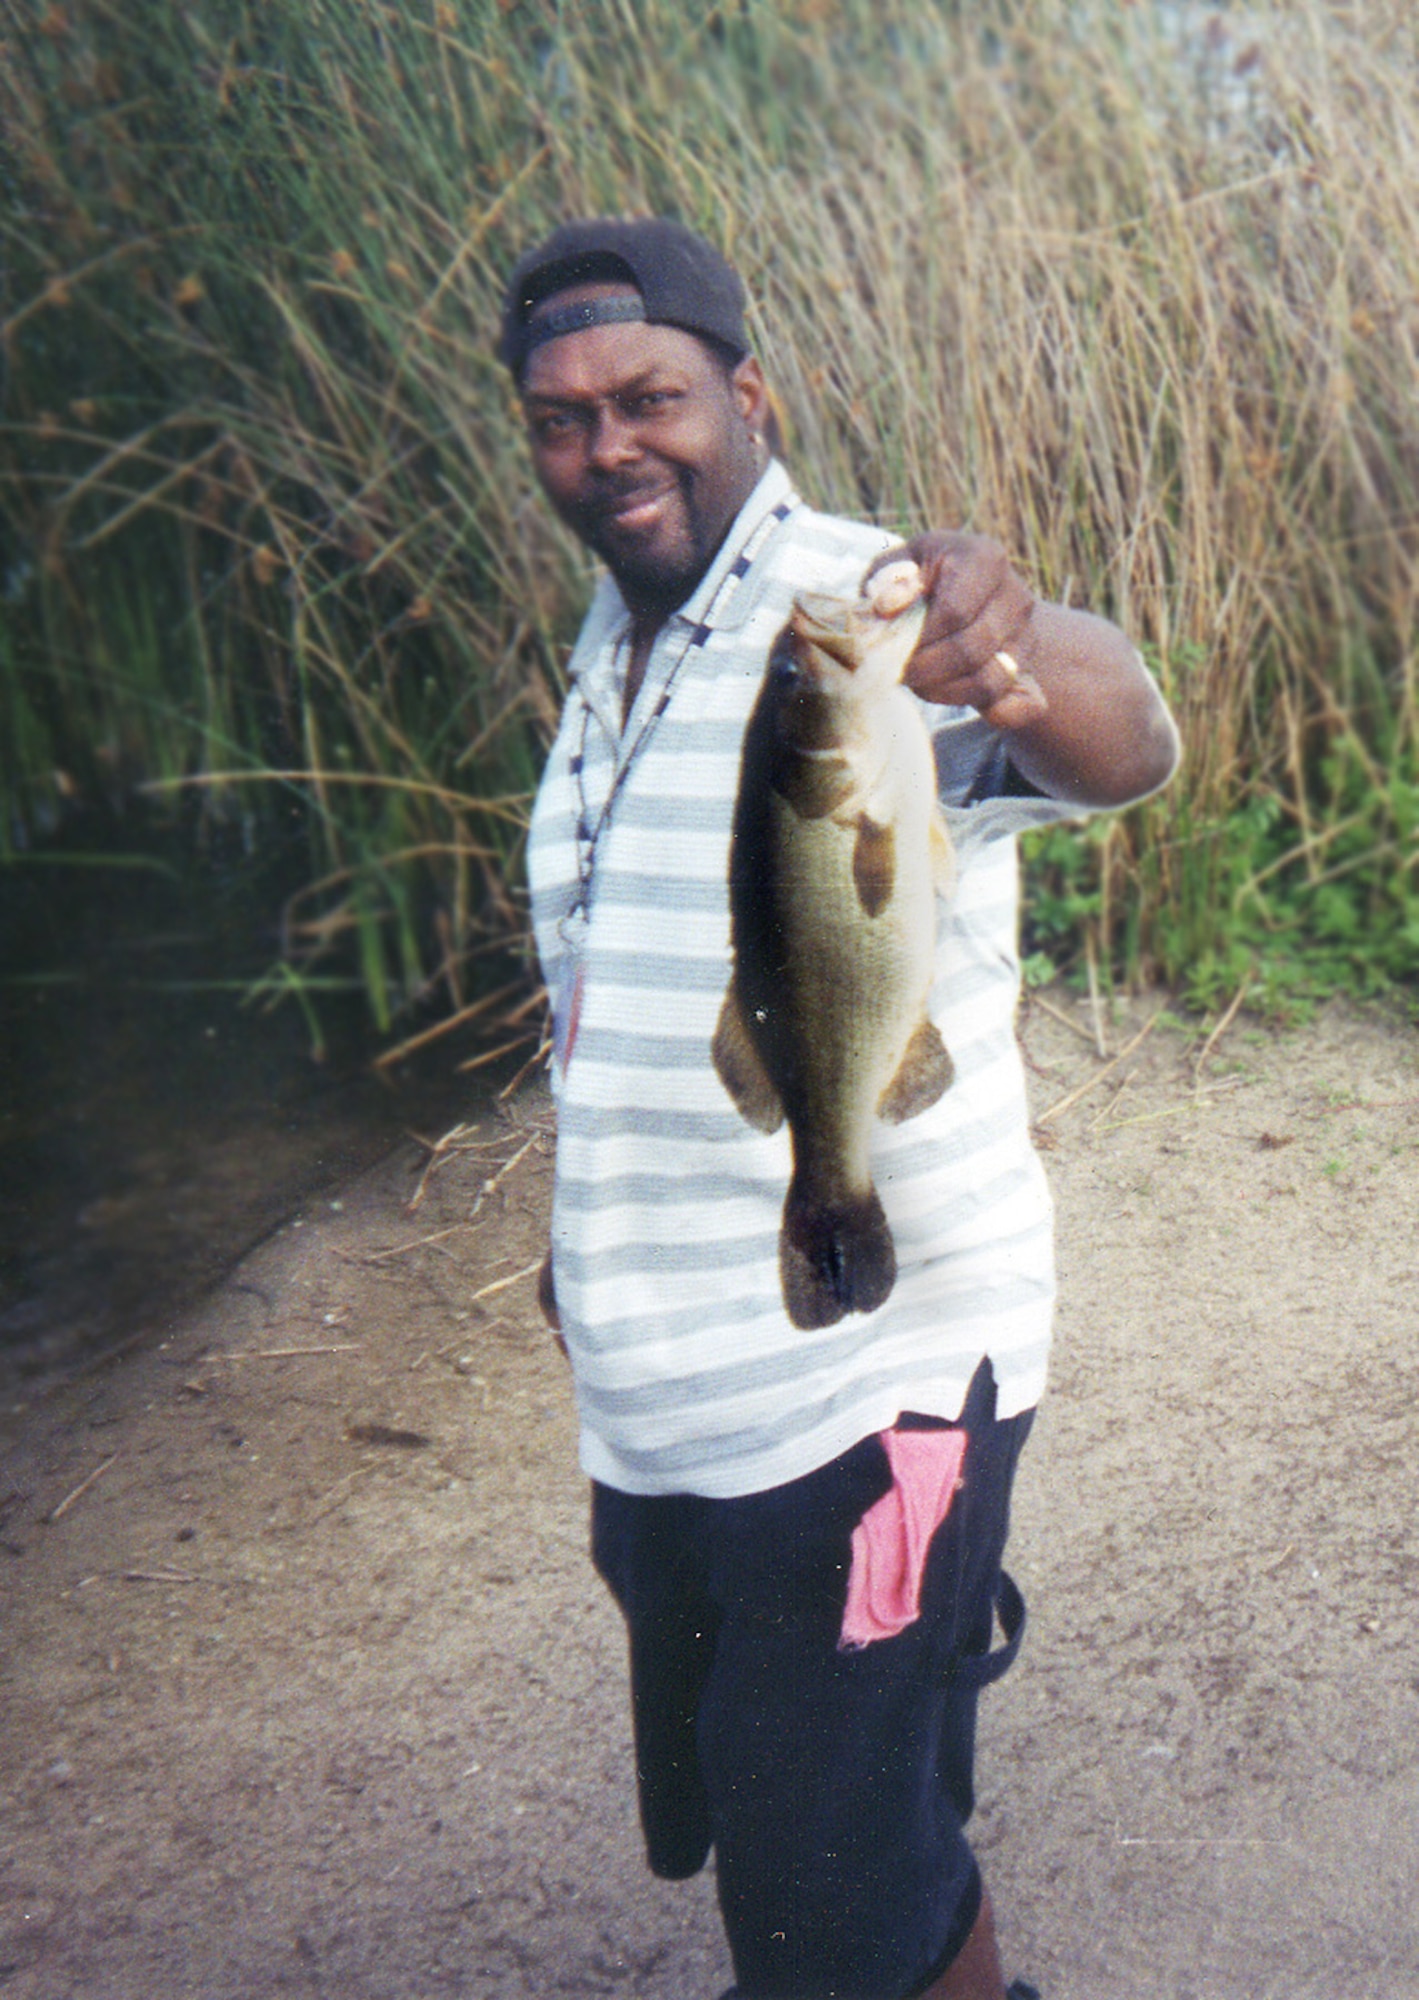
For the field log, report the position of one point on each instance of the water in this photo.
(152, 1128)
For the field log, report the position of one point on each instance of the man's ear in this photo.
(751, 392)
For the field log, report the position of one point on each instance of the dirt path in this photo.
(308, 1688)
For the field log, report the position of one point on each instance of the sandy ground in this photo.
(309, 1689)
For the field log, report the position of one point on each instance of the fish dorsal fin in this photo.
(923, 1075)
(874, 864)
(943, 855)
(741, 1068)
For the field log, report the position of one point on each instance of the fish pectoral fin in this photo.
(874, 864)
(943, 856)
(923, 1075)
(741, 1068)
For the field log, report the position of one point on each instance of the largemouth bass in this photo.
(840, 852)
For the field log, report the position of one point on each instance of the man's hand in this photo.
(977, 610)
(547, 1299)
(1084, 721)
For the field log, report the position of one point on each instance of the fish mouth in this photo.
(825, 623)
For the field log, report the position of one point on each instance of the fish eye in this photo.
(784, 669)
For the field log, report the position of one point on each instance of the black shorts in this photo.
(834, 1786)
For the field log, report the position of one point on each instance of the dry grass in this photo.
(1141, 302)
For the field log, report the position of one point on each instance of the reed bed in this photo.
(1135, 288)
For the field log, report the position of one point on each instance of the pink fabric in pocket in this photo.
(890, 1542)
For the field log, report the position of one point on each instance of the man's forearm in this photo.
(1105, 737)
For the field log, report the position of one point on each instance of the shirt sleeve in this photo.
(982, 794)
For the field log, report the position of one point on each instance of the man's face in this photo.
(644, 446)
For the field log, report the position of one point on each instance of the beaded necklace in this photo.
(571, 980)
(589, 836)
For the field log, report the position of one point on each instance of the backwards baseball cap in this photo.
(681, 279)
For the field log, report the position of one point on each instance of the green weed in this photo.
(1141, 308)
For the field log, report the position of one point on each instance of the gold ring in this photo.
(1004, 660)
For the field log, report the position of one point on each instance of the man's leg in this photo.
(646, 1551)
(840, 1782)
(834, 1785)
(974, 1974)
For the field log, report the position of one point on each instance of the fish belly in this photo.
(854, 989)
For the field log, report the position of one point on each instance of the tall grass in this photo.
(1139, 298)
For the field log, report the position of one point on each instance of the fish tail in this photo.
(836, 1254)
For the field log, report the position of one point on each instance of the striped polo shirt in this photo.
(690, 1377)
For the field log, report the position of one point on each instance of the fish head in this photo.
(832, 673)
(858, 647)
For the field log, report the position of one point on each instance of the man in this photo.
(803, 1528)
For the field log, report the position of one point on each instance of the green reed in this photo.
(1143, 308)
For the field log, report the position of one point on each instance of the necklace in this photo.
(569, 980)
(588, 835)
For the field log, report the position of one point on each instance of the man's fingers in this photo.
(1004, 694)
(979, 614)
(891, 587)
(967, 658)
(1022, 702)
(902, 552)
(962, 581)
(958, 574)
(976, 608)
(547, 1297)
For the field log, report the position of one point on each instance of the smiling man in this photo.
(655, 516)
(803, 1528)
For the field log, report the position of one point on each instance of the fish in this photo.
(839, 853)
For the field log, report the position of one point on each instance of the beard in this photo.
(657, 562)
(657, 568)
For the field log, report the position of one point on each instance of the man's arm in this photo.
(1082, 718)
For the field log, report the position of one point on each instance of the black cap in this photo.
(683, 281)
